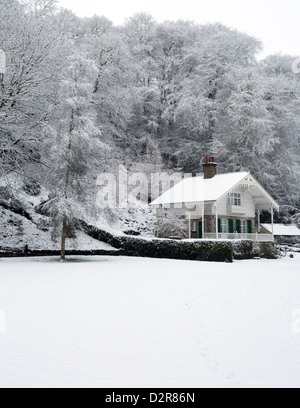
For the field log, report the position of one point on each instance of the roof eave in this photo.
(184, 203)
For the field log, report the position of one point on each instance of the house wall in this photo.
(241, 219)
(210, 224)
(247, 203)
(196, 235)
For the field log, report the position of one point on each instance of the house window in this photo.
(235, 199)
(194, 226)
(224, 226)
(243, 227)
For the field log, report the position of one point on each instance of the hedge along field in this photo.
(209, 251)
(170, 249)
(198, 250)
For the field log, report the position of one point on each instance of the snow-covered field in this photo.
(120, 322)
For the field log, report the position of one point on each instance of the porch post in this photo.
(217, 222)
(272, 218)
(259, 226)
(190, 227)
(203, 221)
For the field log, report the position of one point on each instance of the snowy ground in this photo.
(120, 322)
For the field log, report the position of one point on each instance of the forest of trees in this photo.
(81, 96)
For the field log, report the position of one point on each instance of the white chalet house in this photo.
(221, 206)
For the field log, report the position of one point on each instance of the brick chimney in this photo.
(209, 167)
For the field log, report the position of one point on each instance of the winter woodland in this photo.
(81, 96)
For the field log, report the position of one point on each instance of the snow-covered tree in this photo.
(171, 226)
(251, 133)
(76, 143)
(34, 57)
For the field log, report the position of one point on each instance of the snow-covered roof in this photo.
(194, 190)
(197, 189)
(283, 230)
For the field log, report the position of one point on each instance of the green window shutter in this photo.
(238, 226)
(250, 227)
(220, 225)
(231, 231)
(200, 230)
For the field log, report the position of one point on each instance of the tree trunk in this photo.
(64, 229)
(63, 240)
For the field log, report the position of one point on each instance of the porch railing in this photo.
(254, 237)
